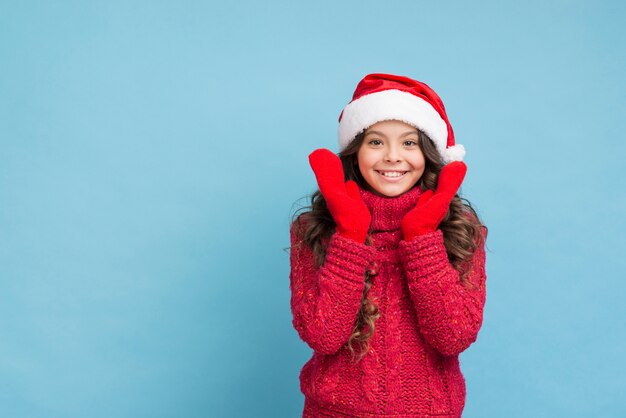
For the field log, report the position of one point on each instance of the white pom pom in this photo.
(454, 153)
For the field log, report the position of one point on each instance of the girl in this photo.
(388, 265)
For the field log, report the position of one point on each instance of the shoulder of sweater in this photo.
(299, 224)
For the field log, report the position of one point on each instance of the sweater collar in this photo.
(387, 212)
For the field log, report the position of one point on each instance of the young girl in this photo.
(388, 265)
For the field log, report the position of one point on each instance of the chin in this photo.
(394, 192)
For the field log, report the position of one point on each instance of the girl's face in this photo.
(390, 159)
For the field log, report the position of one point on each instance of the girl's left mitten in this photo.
(432, 207)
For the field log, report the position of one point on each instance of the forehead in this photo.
(391, 126)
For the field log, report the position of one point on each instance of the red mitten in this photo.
(432, 207)
(343, 199)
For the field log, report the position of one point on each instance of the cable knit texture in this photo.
(427, 317)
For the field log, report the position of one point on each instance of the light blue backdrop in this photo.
(151, 154)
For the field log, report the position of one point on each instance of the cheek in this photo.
(419, 165)
(364, 161)
(418, 161)
(363, 169)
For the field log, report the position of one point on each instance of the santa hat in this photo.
(380, 97)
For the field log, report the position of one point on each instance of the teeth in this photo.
(392, 173)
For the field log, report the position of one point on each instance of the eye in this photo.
(375, 142)
(410, 143)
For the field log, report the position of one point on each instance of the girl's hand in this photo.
(343, 199)
(432, 207)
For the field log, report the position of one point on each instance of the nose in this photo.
(393, 154)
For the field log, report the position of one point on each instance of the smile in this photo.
(391, 174)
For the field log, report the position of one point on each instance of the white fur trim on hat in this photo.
(367, 110)
(454, 153)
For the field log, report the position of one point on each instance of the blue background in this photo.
(151, 154)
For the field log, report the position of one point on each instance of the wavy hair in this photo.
(461, 229)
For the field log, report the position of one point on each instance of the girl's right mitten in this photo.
(343, 199)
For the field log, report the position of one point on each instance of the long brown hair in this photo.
(461, 229)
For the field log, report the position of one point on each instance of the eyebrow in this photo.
(382, 134)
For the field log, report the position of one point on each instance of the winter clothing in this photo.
(432, 207)
(380, 97)
(427, 318)
(344, 203)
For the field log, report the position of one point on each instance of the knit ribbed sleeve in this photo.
(325, 301)
(449, 314)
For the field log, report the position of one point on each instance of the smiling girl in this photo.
(388, 264)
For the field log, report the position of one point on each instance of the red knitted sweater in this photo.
(427, 317)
